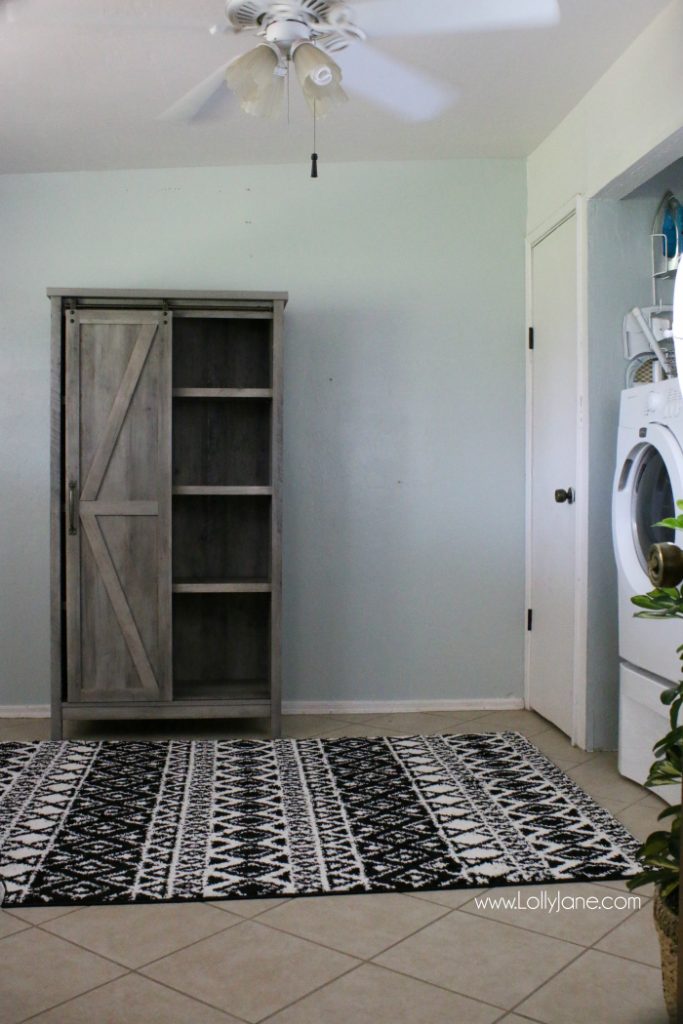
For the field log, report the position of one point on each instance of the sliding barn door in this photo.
(117, 496)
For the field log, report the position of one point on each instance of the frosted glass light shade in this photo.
(253, 77)
(319, 78)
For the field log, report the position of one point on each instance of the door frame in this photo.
(576, 208)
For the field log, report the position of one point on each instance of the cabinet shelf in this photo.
(201, 489)
(206, 586)
(222, 392)
(222, 689)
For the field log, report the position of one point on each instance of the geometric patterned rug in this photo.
(88, 822)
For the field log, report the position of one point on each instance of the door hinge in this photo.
(529, 618)
(531, 337)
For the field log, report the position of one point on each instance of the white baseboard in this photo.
(333, 707)
(24, 710)
(387, 707)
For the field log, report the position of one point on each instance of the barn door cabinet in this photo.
(166, 504)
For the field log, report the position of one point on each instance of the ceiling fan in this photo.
(306, 33)
(312, 29)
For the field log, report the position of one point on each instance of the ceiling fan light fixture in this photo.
(254, 77)
(319, 77)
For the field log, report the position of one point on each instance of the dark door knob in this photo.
(665, 565)
(561, 496)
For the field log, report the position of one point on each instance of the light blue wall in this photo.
(618, 279)
(404, 401)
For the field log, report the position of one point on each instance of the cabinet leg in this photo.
(275, 725)
(57, 726)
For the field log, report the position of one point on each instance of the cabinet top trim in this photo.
(172, 294)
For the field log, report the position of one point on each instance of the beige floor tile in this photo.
(38, 915)
(372, 995)
(247, 908)
(636, 938)
(641, 818)
(487, 960)
(526, 722)
(250, 971)
(599, 777)
(133, 1000)
(655, 801)
(22, 730)
(39, 970)
(646, 892)
(361, 926)
(441, 717)
(572, 921)
(311, 726)
(555, 745)
(135, 935)
(9, 924)
(600, 988)
(363, 729)
(366, 719)
(514, 1018)
(420, 724)
(452, 898)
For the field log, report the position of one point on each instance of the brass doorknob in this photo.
(665, 565)
(562, 495)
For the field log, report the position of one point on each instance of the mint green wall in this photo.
(404, 401)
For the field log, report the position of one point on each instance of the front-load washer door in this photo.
(647, 484)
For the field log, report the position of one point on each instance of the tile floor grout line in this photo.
(546, 981)
(435, 984)
(583, 952)
(71, 999)
(195, 999)
(320, 988)
(335, 949)
(532, 931)
(236, 1016)
(118, 963)
(382, 967)
(13, 913)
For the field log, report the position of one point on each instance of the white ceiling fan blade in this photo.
(189, 105)
(405, 91)
(384, 18)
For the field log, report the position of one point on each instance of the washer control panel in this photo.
(651, 403)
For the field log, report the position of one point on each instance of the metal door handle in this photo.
(561, 496)
(72, 508)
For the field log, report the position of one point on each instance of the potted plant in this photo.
(661, 851)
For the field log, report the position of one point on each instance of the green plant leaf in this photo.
(668, 812)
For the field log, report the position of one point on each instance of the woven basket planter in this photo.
(666, 923)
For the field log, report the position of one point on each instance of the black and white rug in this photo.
(123, 822)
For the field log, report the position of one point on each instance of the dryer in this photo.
(648, 480)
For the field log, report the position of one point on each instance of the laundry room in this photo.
(339, 411)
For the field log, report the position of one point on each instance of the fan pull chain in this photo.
(314, 155)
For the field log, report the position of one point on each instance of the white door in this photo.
(553, 462)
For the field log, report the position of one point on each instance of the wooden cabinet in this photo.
(166, 504)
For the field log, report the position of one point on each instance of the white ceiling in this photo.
(82, 83)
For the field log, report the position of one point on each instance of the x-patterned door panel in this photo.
(118, 455)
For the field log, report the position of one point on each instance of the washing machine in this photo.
(648, 481)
